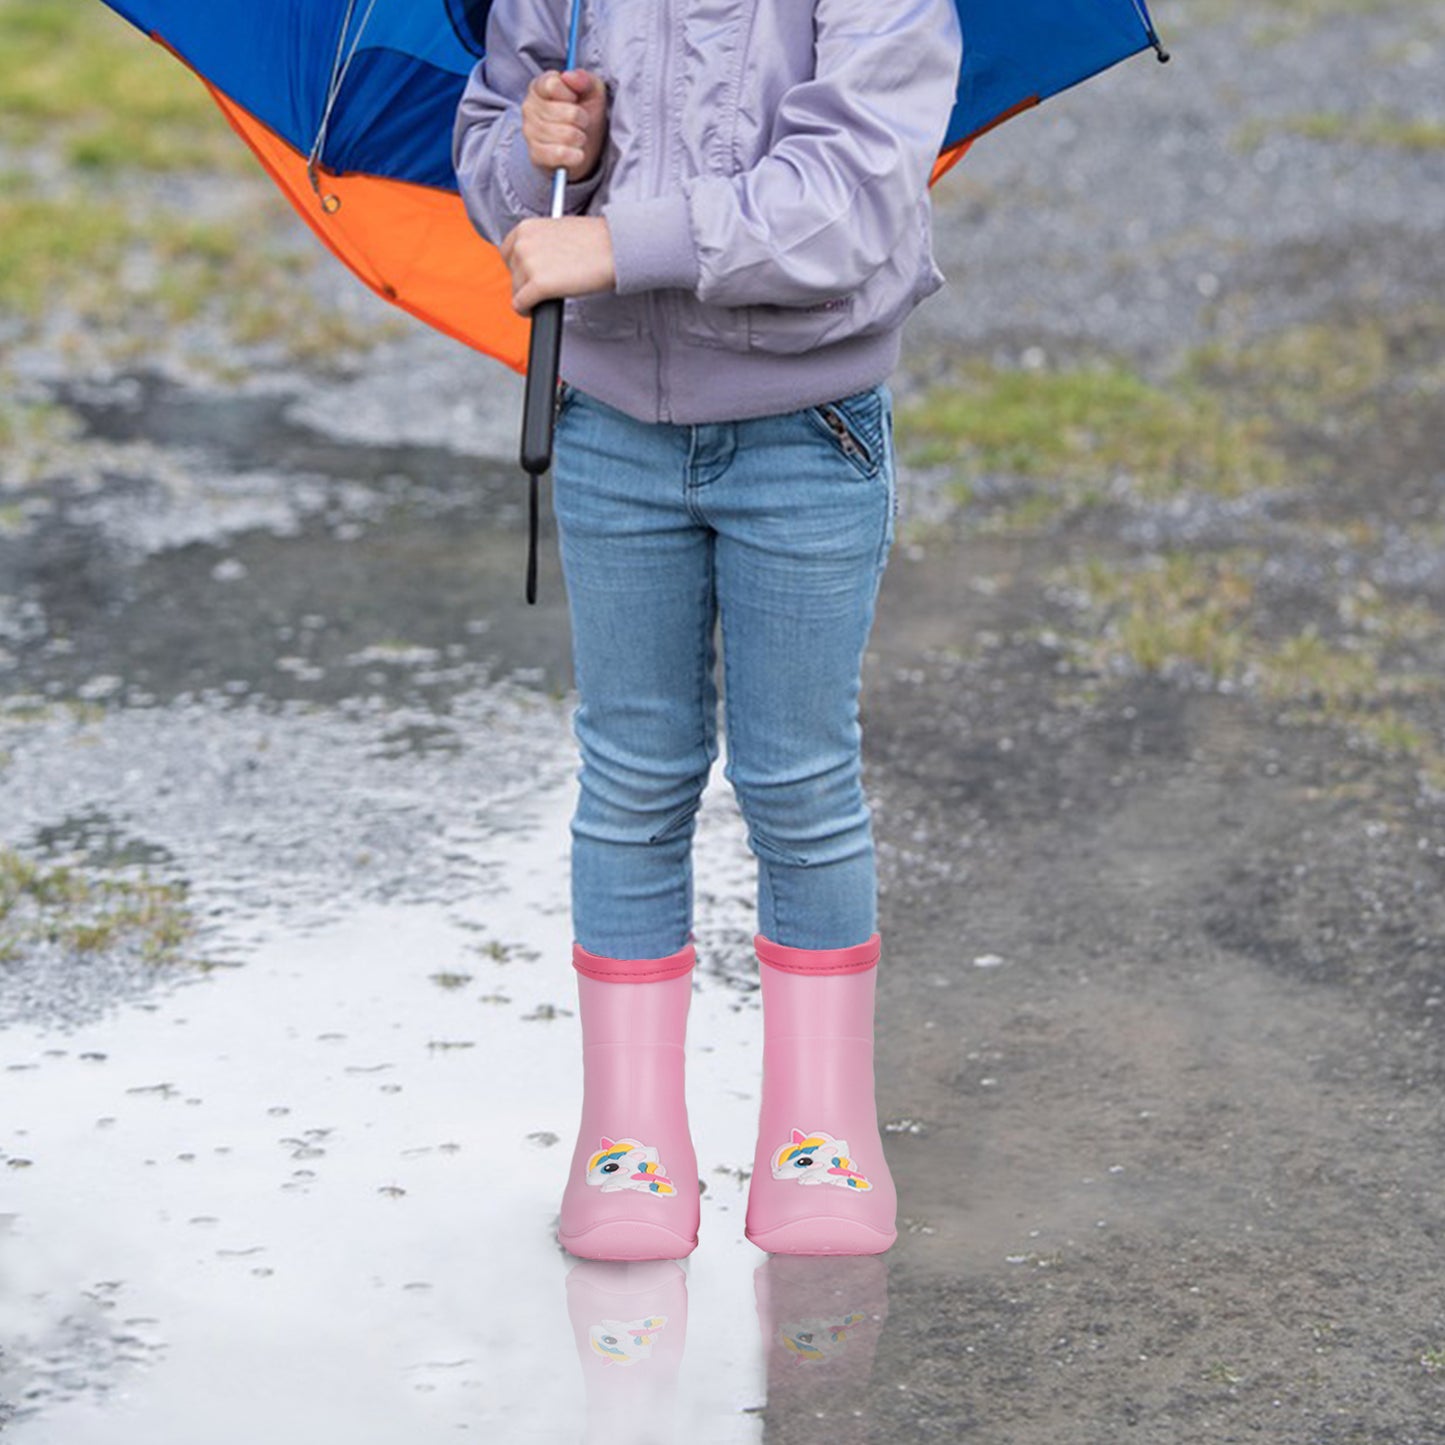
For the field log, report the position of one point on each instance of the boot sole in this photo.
(823, 1236)
(627, 1239)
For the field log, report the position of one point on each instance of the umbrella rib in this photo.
(1150, 33)
(339, 69)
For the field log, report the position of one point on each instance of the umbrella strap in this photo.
(532, 541)
(339, 68)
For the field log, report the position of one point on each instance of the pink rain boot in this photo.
(632, 1192)
(820, 1183)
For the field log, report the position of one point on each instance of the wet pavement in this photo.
(1160, 1055)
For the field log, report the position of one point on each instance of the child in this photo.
(747, 229)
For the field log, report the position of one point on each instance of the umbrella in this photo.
(349, 104)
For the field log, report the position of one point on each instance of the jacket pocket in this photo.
(606, 316)
(774, 330)
(792, 330)
(723, 327)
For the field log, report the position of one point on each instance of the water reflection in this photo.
(629, 1320)
(821, 1322)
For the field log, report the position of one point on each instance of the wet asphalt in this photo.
(1160, 1050)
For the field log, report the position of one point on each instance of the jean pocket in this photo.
(567, 396)
(856, 425)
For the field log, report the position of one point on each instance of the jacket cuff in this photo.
(652, 246)
(531, 188)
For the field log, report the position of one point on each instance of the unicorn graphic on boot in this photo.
(628, 1164)
(817, 1158)
(625, 1342)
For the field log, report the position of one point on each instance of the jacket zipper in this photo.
(657, 302)
(850, 443)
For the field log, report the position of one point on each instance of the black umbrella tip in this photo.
(1158, 45)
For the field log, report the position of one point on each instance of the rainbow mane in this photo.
(843, 1166)
(806, 1146)
(602, 1155)
(655, 1178)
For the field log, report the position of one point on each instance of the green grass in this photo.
(32, 426)
(1308, 375)
(450, 980)
(1202, 609)
(1220, 425)
(87, 914)
(1285, 20)
(87, 105)
(33, 436)
(74, 72)
(1180, 609)
(1307, 668)
(133, 273)
(1239, 415)
(1202, 612)
(1378, 128)
(51, 247)
(1087, 426)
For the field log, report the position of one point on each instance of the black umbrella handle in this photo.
(539, 416)
(539, 411)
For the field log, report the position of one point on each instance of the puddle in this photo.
(243, 551)
(317, 1192)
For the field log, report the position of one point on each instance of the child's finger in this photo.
(551, 158)
(582, 84)
(552, 138)
(551, 113)
(550, 85)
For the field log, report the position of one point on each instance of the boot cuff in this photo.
(858, 959)
(633, 970)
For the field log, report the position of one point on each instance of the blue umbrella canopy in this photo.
(1022, 52)
(349, 105)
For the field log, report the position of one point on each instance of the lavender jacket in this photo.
(765, 183)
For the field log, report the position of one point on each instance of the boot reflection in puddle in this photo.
(821, 1320)
(629, 1319)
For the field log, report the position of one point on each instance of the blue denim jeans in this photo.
(778, 528)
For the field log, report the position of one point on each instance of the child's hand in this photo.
(564, 121)
(569, 256)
